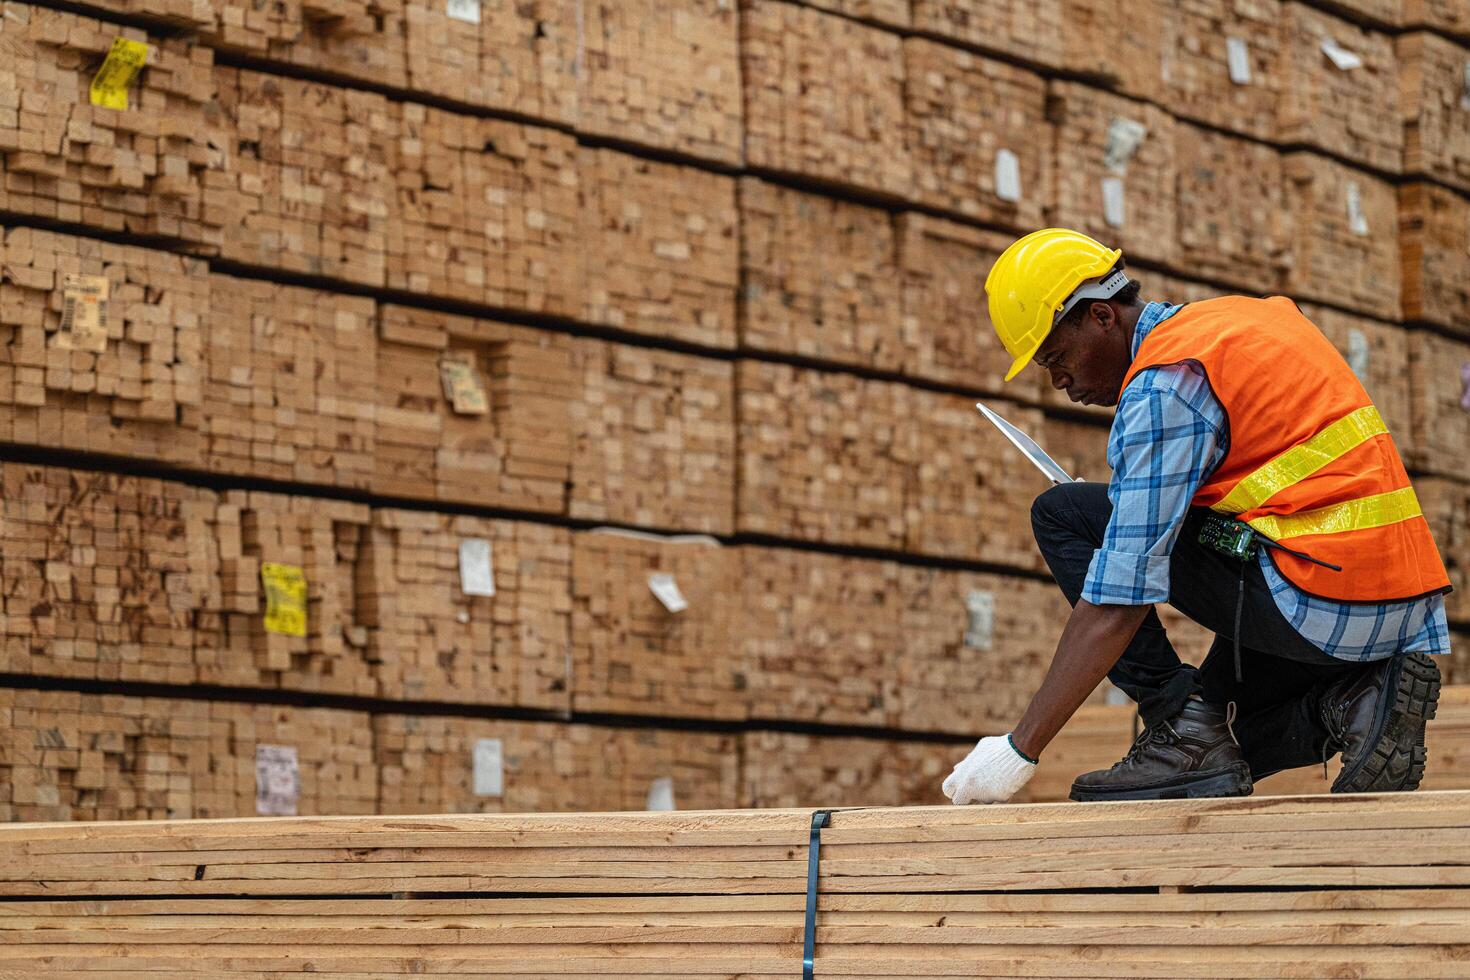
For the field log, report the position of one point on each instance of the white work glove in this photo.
(993, 772)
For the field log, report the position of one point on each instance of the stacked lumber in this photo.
(1102, 44)
(1232, 221)
(1386, 14)
(289, 379)
(655, 626)
(496, 54)
(662, 76)
(977, 134)
(823, 457)
(824, 97)
(1446, 505)
(821, 636)
(1351, 111)
(781, 769)
(1378, 353)
(654, 438)
(1222, 65)
(70, 756)
(1115, 171)
(466, 609)
(817, 279)
(1080, 443)
(473, 411)
(894, 13)
(140, 169)
(467, 765)
(361, 39)
(1343, 246)
(102, 575)
(855, 641)
(310, 185)
(241, 641)
(1440, 15)
(967, 492)
(192, 14)
(1434, 244)
(123, 381)
(972, 648)
(1115, 891)
(946, 331)
(660, 247)
(1025, 29)
(485, 211)
(1432, 90)
(1439, 389)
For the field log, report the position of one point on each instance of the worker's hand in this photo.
(993, 772)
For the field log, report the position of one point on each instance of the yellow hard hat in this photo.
(1036, 281)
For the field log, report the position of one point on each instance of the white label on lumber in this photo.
(980, 633)
(1357, 220)
(663, 586)
(661, 794)
(1007, 175)
(1357, 353)
(462, 384)
(1340, 56)
(1112, 195)
(277, 780)
(476, 573)
(489, 767)
(84, 313)
(1124, 138)
(465, 10)
(1238, 57)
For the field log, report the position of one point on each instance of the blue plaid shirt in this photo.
(1168, 436)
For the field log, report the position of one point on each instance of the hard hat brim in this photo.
(1024, 359)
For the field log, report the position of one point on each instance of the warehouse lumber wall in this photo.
(1270, 887)
(386, 280)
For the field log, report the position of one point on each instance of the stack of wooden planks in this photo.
(1262, 887)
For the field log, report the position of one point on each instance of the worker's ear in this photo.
(1104, 314)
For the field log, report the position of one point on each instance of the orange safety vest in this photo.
(1310, 462)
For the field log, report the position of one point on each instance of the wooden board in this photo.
(1029, 30)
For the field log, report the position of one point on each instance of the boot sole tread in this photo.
(1397, 760)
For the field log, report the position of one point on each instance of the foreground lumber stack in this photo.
(1246, 888)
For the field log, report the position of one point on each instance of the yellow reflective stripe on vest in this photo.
(1300, 462)
(1350, 515)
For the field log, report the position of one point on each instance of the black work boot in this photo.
(1376, 718)
(1190, 755)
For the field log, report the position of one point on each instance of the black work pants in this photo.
(1277, 721)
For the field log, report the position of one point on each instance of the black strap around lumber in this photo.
(813, 865)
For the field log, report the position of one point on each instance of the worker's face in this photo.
(1088, 359)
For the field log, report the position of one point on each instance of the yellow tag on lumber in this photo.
(84, 313)
(123, 63)
(285, 598)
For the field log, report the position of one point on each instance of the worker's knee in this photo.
(1070, 510)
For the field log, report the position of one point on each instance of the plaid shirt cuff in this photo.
(1116, 578)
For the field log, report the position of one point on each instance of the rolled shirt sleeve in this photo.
(1161, 448)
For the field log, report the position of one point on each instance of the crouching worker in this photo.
(1254, 487)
